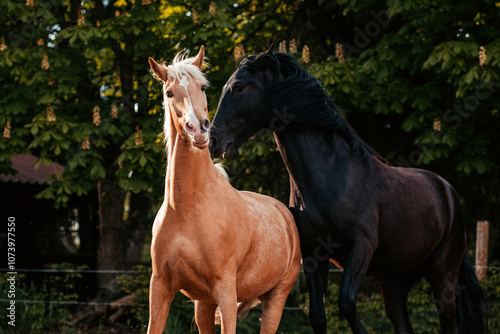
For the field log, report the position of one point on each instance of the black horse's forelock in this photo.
(303, 98)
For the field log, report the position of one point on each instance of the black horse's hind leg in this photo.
(442, 274)
(317, 280)
(354, 271)
(443, 289)
(395, 291)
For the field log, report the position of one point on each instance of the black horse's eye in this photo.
(169, 94)
(238, 88)
(203, 88)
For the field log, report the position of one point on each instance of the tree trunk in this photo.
(136, 224)
(110, 228)
(136, 245)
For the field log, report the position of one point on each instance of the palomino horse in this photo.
(216, 245)
(399, 224)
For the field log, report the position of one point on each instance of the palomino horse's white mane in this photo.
(182, 68)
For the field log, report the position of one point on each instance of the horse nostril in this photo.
(189, 128)
(213, 142)
(206, 124)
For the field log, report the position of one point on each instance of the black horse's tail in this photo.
(472, 306)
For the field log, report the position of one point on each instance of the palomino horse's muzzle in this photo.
(198, 131)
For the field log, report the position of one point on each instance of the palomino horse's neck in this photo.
(189, 171)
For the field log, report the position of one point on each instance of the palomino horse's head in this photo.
(184, 97)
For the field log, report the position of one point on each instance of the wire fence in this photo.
(100, 271)
(70, 271)
(97, 271)
(130, 272)
(94, 271)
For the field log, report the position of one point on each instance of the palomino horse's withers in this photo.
(399, 224)
(216, 245)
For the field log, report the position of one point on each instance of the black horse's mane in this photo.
(301, 99)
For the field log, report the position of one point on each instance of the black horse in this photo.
(398, 224)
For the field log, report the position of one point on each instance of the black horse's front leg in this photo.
(355, 269)
(316, 272)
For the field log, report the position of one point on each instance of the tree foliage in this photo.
(77, 86)
(77, 91)
(419, 80)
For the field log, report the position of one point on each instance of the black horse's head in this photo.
(242, 111)
(271, 91)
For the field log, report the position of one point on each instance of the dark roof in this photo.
(26, 172)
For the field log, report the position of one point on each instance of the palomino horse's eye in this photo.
(203, 88)
(169, 94)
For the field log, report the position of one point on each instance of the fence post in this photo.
(481, 248)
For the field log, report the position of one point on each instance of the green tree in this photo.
(420, 82)
(88, 108)
(77, 90)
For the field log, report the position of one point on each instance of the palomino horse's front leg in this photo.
(160, 298)
(204, 315)
(224, 293)
(273, 303)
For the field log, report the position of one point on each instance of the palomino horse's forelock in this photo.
(183, 67)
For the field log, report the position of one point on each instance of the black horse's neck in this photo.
(318, 146)
(320, 162)
(298, 101)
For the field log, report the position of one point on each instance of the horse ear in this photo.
(268, 57)
(270, 50)
(198, 61)
(161, 72)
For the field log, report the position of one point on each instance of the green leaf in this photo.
(65, 128)
(431, 61)
(98, 170)
(34, 129)
(143, 161)
(73, 38)
(409, 123)
(481, 167)
(46, 98)
(46, 194)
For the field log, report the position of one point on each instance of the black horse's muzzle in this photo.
(218, 146)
